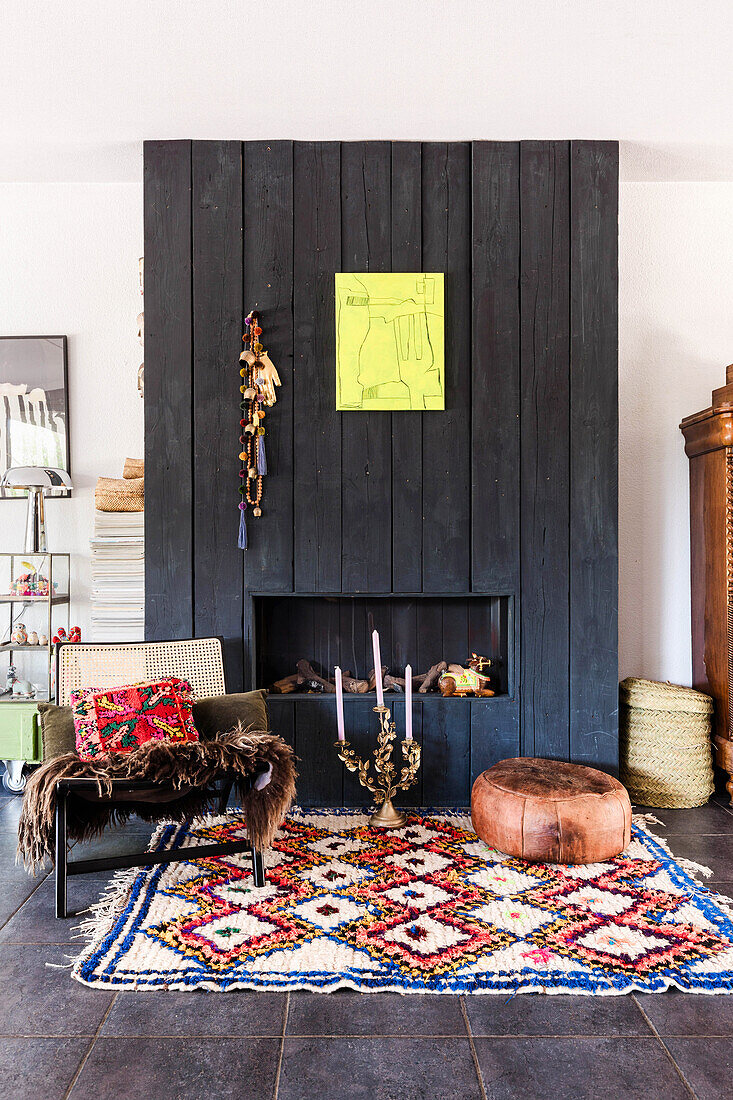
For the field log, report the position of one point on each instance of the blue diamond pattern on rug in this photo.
(428, 908)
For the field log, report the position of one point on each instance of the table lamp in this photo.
(37, 480)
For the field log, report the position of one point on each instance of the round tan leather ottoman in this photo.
(546, 811)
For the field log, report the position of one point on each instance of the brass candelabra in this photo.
(386, 784)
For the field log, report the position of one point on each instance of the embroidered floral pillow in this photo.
(123, 718)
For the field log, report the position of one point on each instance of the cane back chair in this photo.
(101, 665)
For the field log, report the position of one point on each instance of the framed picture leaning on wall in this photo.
(34, 405)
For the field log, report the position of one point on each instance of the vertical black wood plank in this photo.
(288, 636)
(406, 426)
(169, 555)
(317, 431)
(446, 246)
(326, 631)
(594, 453)
(217, 329)
(268, 287)
(361, 732)
(488, 636)
(494, 733)
(446, 751)
(500, 643)
(366, 544)
(545, 210)
(355, 651)
(479, 627)
(319, 768)
(247, 644)
(379, 618)
(396, 703)
(429, 633)
(302, 616)
(404, 635)
(455, 631)
(281, 713)
(495, 368)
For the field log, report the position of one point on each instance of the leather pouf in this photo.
(547, 811)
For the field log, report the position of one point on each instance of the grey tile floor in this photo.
(59, 1040)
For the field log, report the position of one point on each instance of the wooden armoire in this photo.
(709, 447)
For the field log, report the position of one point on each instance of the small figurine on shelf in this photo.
(473, 680)
(32, 637)
(19, 635)
(31, 583)
(23, 689)
(59, 636)
(75, 635)
(11, 677)
(43, 639)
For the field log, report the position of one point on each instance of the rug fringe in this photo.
(646, 819)
(692, 868)
(62, 966)
(104, 912)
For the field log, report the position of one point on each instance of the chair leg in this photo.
(61, 854)
(226, 790)
(258, 868)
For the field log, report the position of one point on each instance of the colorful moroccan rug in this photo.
(426, 909)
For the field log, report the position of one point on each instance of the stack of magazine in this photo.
(118, 577)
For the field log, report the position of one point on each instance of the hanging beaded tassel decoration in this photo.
(257, 390)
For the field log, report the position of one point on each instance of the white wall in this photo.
(676, 335)
(69, 264)
(82, 84)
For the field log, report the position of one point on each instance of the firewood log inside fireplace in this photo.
(307, 679)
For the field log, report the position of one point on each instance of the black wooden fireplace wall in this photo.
(511, 493)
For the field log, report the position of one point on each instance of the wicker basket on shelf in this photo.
(134, 467)
(116, 494)
(665, 750)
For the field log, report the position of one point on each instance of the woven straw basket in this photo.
(666, 754)
(116, 494)
(134, 467)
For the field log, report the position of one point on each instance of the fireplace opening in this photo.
(324, 631)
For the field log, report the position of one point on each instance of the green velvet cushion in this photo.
(211, 716)
(57, 730)
(220, 713)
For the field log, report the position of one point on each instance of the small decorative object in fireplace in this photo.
(257, 390)
(386, 784)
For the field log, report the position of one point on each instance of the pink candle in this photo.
(378, 669)
(339, 704)
(408, 702)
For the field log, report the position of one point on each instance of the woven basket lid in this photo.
(653, 695)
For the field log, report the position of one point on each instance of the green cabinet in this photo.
(20, 733)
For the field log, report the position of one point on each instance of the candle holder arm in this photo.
(354, 763)
(411, 752)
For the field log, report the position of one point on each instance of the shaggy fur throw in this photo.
(189, 769)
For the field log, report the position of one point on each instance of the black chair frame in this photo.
(65, 867)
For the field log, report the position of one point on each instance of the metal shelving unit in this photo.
(20, 574)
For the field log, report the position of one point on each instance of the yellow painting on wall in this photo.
(389, 341)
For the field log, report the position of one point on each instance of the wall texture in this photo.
(676, 335)
(84, 83)
(68, 264)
